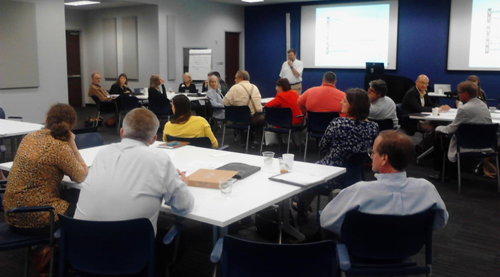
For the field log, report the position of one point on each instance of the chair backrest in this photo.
(387, 237)
(384, 124)
(160, 105)
(238, 114)
(200, 142)
(85, 130)
(467, 136)
(87, 140)
(355, 165)
(317, 122)
(281, 117)
(2, 114)
(106, 247)
(96, 100)
(248, 258)
(128, 103)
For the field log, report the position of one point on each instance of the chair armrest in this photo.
(3, 182)
(17, 210)
(301, 115)
(217, 251)
(343, 255)
(223, 148)
(172, 233)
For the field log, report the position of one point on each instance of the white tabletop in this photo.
(265, 100)
(450, 115)
(9, 128)
(250, 195)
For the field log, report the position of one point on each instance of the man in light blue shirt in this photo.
(392, 193)
(131, 180)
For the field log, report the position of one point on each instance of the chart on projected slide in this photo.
(485, 34)
(347, 36)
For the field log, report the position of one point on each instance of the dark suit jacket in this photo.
(411, 102)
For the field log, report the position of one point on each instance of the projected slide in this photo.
(352, 36)
(485, 34)
(348, 35)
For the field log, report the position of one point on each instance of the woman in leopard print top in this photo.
(42, 160)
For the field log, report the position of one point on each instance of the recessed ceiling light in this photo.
(82, 3)
(252, 1)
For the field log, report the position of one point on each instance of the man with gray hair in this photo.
(130, 180)
(381, 107)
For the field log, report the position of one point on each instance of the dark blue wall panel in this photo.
(422, 47)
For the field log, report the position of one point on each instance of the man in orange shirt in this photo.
(325, 98)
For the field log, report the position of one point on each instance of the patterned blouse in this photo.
(344, 137)
(39, 166)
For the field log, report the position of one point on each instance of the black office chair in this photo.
(355, 172)
(127, 103)
(380, 245)
(468, 138)
(161, 107)
(237, 117)
(109, 247)
(103, 108)
(384, 124)
(211, 119)
(279, 121)
(10, 240)
(92, 129)
(243, 258)
(87, 140)
(317, 123)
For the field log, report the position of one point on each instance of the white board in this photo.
(200, 63)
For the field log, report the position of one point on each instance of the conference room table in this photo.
(13, 129)
(248, 196)
(449, 116)
(170, 95)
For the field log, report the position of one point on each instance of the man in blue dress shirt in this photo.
(392, 193)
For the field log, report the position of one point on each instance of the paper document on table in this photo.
(193, 166)
(298, 179)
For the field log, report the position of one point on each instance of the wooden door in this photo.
(74, 68)
(232, 57)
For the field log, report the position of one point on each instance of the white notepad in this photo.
(298, 179)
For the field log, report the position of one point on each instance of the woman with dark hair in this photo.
(120, 87)
(185, 125)
(343, 137)
(286, 98)
(42, 160)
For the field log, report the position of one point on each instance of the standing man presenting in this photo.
(292, 70)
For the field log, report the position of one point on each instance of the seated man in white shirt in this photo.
(130, 180)
(381, 107)
(393, 193)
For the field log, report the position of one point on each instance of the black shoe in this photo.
(438, 177)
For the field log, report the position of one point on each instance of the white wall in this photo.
(91, 40)
(199, 23)
(33, 103)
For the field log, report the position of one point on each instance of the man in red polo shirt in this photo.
(325, 98)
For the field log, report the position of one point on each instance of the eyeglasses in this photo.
(369, 151)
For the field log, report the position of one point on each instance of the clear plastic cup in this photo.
(288, 158)
(268, 159)
(226, 187)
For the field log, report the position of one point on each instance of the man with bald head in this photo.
(416, 99)
(393, 193)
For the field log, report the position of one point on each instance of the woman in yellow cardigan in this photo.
(185, 125)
